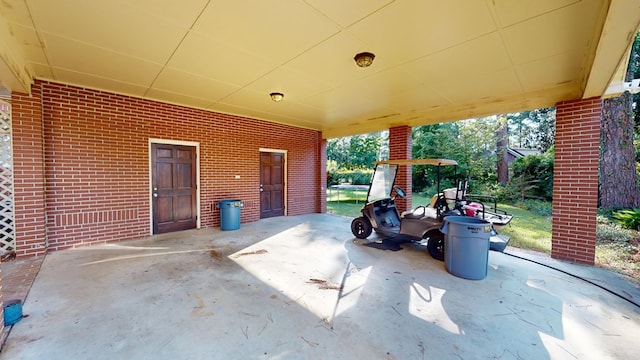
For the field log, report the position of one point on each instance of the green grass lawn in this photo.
(346, 202)
(527, 230)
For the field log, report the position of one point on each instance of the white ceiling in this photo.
(435, 60)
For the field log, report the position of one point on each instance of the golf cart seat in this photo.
(422, 211)
(419, 213)
(449, 197)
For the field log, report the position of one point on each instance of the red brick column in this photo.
(400, 148)
(575, 181)
(322, 174)
(28, 163)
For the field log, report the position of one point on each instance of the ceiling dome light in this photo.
(276, 96)
(364, 59)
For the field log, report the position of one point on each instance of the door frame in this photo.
(174, 142)
(284, 185)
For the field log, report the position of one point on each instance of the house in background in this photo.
(516, 153)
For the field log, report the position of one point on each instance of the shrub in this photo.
(425, 179)
(608, 232)
(494, 189)
(532, 177)
(332, 172)
(354, 177)
(539, 207)
(629, 218)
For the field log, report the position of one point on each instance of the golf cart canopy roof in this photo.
(435, 162)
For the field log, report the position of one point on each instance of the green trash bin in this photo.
(466, 246)
(230, 214)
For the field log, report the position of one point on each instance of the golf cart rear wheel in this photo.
(361, 227)
(435, 244)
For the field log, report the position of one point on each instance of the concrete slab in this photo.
(302, 287)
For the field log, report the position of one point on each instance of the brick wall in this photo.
(575, 183)
(28, 167)
(401, 148)
(96, 157)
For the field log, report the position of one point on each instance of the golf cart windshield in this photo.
(382, 183)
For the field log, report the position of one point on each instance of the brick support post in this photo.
(400, 148)
(575, 182)
(322, 174)
(29, 174)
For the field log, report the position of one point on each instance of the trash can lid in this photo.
(466, 220)
(230, 203)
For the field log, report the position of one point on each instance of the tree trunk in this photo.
(502, 142)
(618, 178)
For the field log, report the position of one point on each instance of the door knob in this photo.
(155, 194)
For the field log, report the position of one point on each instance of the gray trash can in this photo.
(466, 246)
(230, 214)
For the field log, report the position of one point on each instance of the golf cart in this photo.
(422, 224)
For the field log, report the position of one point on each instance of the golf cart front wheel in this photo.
(361, 227)
(435, 244)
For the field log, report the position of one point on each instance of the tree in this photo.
(545, 133)
(502, 145)
(633, 72)
(479, 145)
(519, 127)
(433, 142)
(468, 142)
(356, 152)
(363, 150)
(532, 177)
(618, 173)
(618, 177)
(535, 129)
(337, 150)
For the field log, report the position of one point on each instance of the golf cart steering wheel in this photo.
(399, 191)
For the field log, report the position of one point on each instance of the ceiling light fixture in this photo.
(276, 96)
(364, 59)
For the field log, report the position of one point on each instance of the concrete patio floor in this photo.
(302, 287)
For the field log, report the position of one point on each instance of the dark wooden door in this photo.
(271, 184)
(173, 178)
